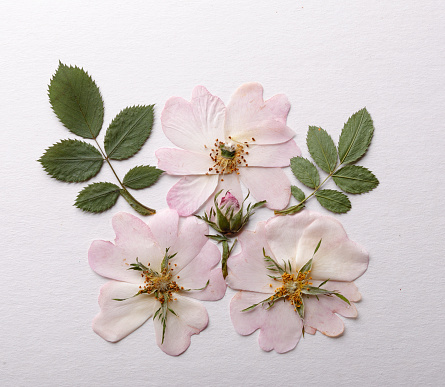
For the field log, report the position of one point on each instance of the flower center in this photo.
(159, 284)
(292, 286)
(228, 157)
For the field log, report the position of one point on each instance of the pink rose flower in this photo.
(156, 269)
(290, 242)
(246, 141)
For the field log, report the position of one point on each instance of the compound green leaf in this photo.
(142, 176)
(72, 161)
(305, 171)
(333, 200)
(355, 137)
(322, 148)
(128, 132)
(76, 100)
(355, 179)
(97, 197)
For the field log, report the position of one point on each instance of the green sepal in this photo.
(128, 132)
(76, 101)
(72, 161)
(306, 267)
(355, 137)
(138, 207)
(305, 171)
(140, 177)
(333, 200)
(300, 310)
(342, 297)
(97, 197)
(355, 179)
(217, 238)
(322, 148)
(297, 193)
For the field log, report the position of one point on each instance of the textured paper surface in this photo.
(331, 58)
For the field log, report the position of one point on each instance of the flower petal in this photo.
(283, 234)
(276, 155)
(134, 239)
(190, 193)
(320, 314)
(338, 258)
(280, 326)
(191, 239)
(164, 228)
(183, 162)
(248, 269)
(249, 116)
(269, 184)
(191, 318)
(196, 274)
(191, 125)
(226, 183)
(117, 319)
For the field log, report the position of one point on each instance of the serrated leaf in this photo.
(97, 197)
(142, 176)
(355, 137)
(333, 200)
(128, 132)
(72, 161)
(322, 148)
(76, 100)
(297, 193)
(305, 171)
(139, 207)
(355, 179)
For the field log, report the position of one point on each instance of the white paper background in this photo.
(330, 58)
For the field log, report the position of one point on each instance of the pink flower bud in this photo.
(230, 201)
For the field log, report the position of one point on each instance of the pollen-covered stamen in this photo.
(292, 286)
(159, 284)
(228, 157)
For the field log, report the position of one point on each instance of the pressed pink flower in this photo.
(246, 141)
(292, 300)
(159, 270)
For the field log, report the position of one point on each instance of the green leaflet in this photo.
(305, 171)
(334, 201)
(322, 148)
(76, 100)
(72, 161)
(97, 197)
(142, 176)
(355, 179)
(297, 193)
(128, 132)
(355, 137)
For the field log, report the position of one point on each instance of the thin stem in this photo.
(127, 195)
(293, 209)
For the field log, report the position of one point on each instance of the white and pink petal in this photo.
(251, 119)
(202, 270)
(270, 184)
(183, 162)
(190, 319)
(280, 326)
(190, 193)
(117, 319)
(191, 125)
(276, 155)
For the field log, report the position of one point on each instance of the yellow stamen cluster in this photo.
(162, 283)
(228, 157)
(292, 286)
